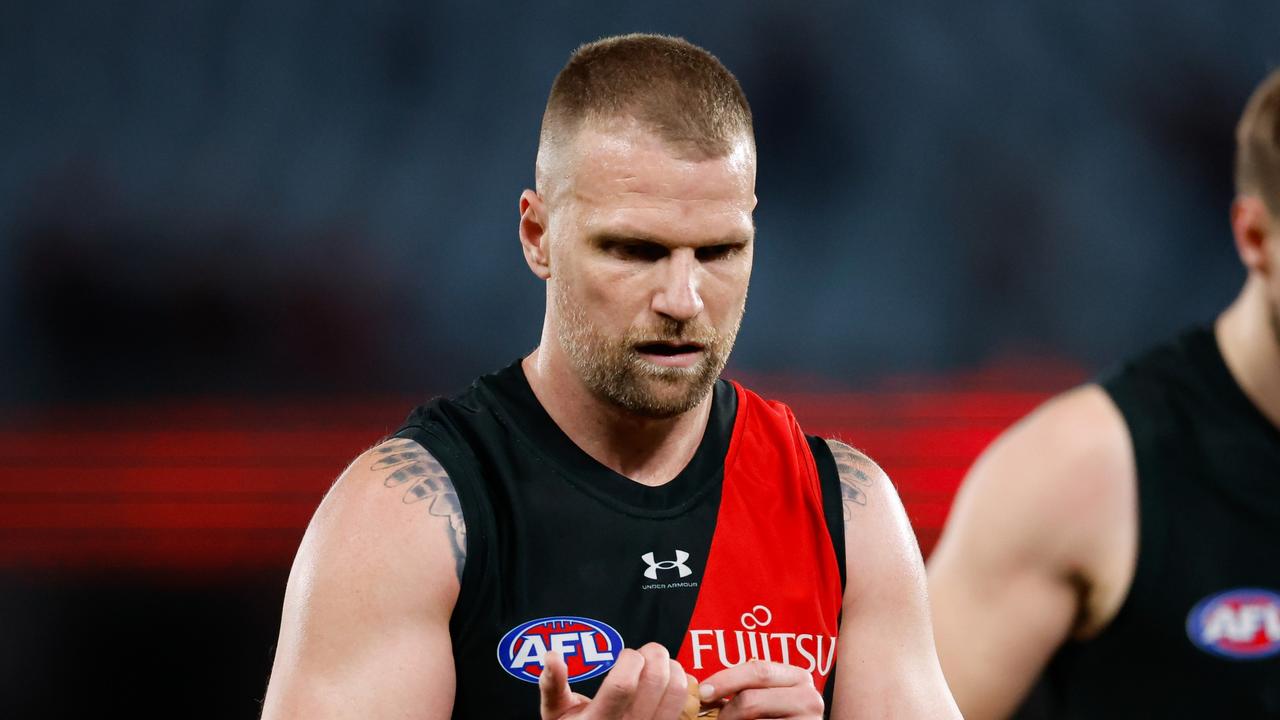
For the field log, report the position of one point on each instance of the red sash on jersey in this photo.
(771, 589)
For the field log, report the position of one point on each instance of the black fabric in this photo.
(832, 498)
(1208, 467)
(833, 511)
(552, 532)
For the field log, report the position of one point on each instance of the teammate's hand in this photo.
(644, 684)
(762, 689)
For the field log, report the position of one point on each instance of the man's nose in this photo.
(678, 297)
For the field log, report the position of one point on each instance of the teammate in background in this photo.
(1125, 537)
(609, 491)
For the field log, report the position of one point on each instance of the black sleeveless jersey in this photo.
(565, 554)
(1198, 635)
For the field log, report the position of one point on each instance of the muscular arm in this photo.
(887, 666)
(365, 628)
(1040, 543)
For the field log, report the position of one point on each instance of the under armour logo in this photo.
(652, 571)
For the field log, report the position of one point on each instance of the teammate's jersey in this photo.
(1198, 635)
(740, 556)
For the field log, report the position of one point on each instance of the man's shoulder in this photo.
(1073, 445)
(378, 483)
(1081, 421)
(880, 549)
(392, 514)
(874, 518)
(373, 582)
(857, 471)
(1054, 490)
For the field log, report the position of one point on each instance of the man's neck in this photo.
(1248, 339)
(650, 451)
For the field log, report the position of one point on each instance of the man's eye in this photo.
(639, 251)
(716, 252)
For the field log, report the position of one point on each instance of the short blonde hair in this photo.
(1258, 144)
(681, 92)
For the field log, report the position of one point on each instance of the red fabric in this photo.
(771, 589)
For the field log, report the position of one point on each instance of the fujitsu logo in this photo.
(812, 652)
(678, 564)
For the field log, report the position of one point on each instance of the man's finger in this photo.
(553, 685)
(678, 700)
(796, 701)
(653, 681)
(754, 674)
(619, 686)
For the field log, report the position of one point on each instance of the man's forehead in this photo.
(624, 157)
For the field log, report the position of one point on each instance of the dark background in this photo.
(239, 240)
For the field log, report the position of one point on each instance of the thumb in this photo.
(553, 684)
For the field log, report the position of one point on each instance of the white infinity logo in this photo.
(751, 620)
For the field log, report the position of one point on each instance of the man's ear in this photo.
(1251, 224)
(533, 233)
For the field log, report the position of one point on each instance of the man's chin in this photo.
(672, 375)
(667, 397)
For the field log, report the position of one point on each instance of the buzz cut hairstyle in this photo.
(673, 88)
(1258, 144)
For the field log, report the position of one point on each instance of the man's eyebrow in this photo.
(610, 237)
(613, 237)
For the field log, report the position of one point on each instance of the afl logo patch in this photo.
(1242, 624)
(589, 647)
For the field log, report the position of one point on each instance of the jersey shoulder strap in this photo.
(832, 502)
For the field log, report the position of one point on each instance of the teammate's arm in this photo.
(886, 665)
(1035, 548)
(365, 628)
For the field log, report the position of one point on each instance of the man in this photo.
(1132, 527)
(608, 491)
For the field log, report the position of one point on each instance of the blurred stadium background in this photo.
(238, 241)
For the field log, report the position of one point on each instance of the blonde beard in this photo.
(613, 371)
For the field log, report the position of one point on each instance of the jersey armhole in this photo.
(832, 509)
(1152, 514)
(460, 464)
(833, 514)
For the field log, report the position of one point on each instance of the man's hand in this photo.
(644, 684)
(762, 689)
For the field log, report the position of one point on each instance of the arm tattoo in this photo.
(856, 472)
(426, 481)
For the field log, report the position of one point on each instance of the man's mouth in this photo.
(668, 348)
(675, 354)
